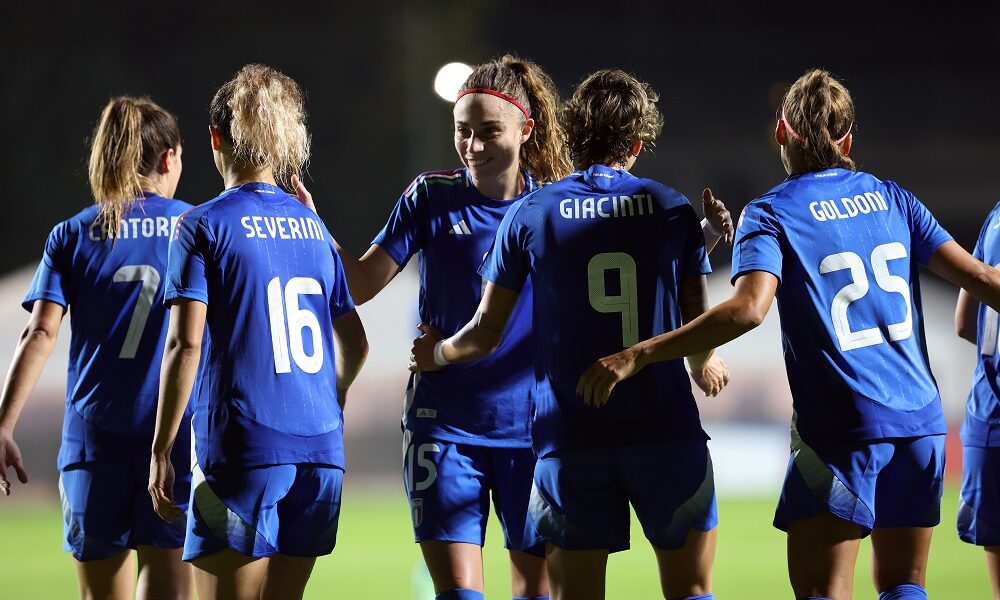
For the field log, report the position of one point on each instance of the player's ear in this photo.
(780, 133)
(526, 129)
(164, 163)
(635, 148)
(845, 146)
(216, 135)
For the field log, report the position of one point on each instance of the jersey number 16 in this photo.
(285, 337)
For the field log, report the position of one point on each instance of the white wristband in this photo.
(439, 358)
(707, 225)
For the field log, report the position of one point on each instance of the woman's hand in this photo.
(597, 382)
(718, 216)
(10, 456)
(422, 352)
(713, 376)
(303, 194)
(161, 488)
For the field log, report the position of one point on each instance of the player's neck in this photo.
(157, 184)
(235, 176)
(506, 186)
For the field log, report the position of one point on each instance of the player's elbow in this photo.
(182, 344)
(359, 350)
(748, 314)
(39, 334)
(964, 329)
(361, 294)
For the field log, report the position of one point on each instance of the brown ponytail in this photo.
(130, 138)
(261, 112)
(544, 155)
(820, 109)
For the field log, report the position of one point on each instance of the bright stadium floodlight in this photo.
(449, 78)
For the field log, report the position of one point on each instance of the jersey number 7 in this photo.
(150, 279)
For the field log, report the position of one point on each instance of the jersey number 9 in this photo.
(625, 301)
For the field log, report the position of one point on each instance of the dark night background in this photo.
(925, 85)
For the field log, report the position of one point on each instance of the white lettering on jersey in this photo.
(282, 228)
(847, 208)
(606, 207)
(130, 229)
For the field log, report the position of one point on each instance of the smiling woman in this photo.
(466, 427)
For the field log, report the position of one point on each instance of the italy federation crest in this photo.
(417, 511)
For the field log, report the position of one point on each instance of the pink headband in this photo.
(795, 134)
(500, 95)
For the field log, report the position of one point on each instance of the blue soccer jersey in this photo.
(982, 417)
(266, 267)
(444, 218)
(608, 253)
(114, 292)
(845, 247)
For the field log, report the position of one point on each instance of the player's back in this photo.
(266, 267)
(848, 246)
(114, 291)
(609, 252)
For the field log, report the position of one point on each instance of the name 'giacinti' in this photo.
(606, 207)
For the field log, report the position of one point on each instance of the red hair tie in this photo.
(500, 95)
(795, 134)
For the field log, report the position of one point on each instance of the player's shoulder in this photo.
(75, 224)
(436, 182)
(667, 196)
(176, 206)
(220, 204)
(559, 186)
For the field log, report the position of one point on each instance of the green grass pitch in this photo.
(375, 556)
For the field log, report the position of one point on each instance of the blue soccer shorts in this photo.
(894, 482)
(581, 498)
(262, 511)
(979, 503)
(449, 487)
(107, 509)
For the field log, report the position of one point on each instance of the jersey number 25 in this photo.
(855, 290)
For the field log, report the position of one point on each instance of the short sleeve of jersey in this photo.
(341, 302)
(978, 251)
(186, 261)
(507, 264)
(403, 234)
(53, 277)
(696, 254)
(926, 233)
(757, 246)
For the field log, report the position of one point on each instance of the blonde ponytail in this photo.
(129, 139)
(262, 113)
